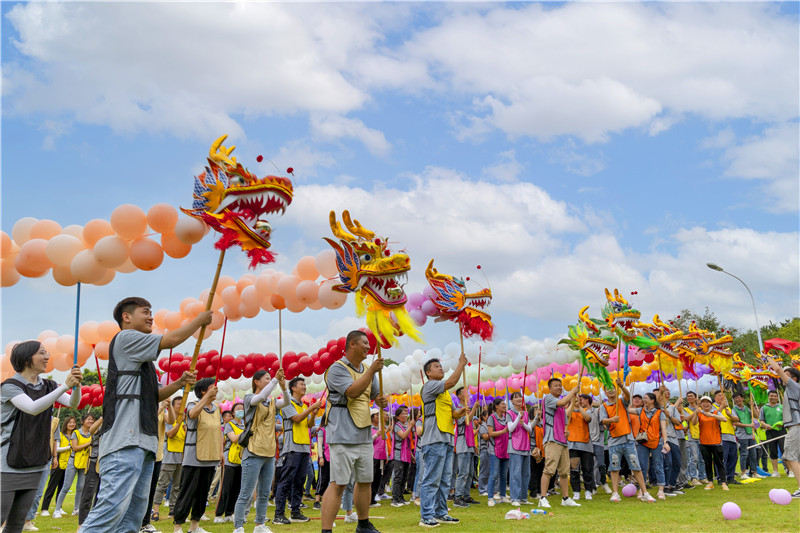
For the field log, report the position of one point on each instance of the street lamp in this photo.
(718, 268)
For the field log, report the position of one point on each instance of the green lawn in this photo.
(696, 511)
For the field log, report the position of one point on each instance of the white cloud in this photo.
(506, 168)
(333, 128)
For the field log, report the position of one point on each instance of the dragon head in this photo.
(711, 346)
(376, 276)
(235, 202)
(620, 317)
(455, 303)
(585, 336)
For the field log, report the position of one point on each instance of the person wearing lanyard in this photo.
(653, 424)
(64, 452)
(708, 420)
(483, 446)
(175, 435)
(232, 469)
(696, 467)
(498, 460)
(402, 455)
(597, 434)
(672, 459)
(555, 442)
(465, 451)
(80, 442)
(91, 481)
(790, 377)
(729, 446)
(772, 421)
(519, 449)
(744, 435)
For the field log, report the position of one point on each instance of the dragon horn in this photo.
(657, 321)
(432, 273)
(608, 296)
(220, 154)
(337, 229)
(618, 297)
(582, 314)
(335, 245)
(355, 226)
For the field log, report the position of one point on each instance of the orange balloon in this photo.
(190, 230)
(129, 221)
(74, 230)
(50, 344)
(231, 312)
(111, 251)
(107, 329)
(307, 291)
(207, 334)
(63, 276)
(174, 247)
(294, 305)
(184, 303)
(88, 332)
(45, 229)
(224, 282)
(315, 305)
(85, 268)
(32, 261)
(6, 370)
(262, 286)
(158, 317)
(162, 218)
(287, 287)
(61, 249)
(65, 342)
(245, 281)
(307, 269)
(96, 229)
(230, 296)
(21, 231)
(8, 273)
(46, 334)
(5, 244)
(250, 297)
(50, 364)
(146, 254)
(248, 311)
(101, 350)
(217, 320)
(62, 361)
(330, 298)
(173, 320)
(277, 301)
(266, 305)
(84, 352)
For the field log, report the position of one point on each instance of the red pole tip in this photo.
(479, 267)
(260, 158)
(290, 170)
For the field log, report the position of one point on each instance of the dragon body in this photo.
(454, 303)
(593, 345)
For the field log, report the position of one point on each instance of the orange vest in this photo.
(538, 434)
(652, 426)
(578, 428)
(710, 433)
(623, 427)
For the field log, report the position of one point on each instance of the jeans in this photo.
(682, 479)
(498, 471)
(464, 480)
(600, 463)
(729, 450)
(347, 494)
(672, 464)
(747, 457)
(654, 457)
(255, 471)
(520, 476)
(125, 488)
(697, 466)
(438, 459)
(39, 492)
(483, 472)
(69, 476)
(627, 450)
(420, 471)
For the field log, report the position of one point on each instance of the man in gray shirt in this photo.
(791, 418)
(127, 454)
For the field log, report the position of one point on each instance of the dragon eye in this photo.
(366, 257)
(237, 181)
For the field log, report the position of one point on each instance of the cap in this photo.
(706, 398)
(373, 411)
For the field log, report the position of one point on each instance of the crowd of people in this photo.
(145, 451)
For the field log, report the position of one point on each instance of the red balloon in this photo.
(175, 375)
(292, 370)
(341, 343)
(214, 362)
(240, 362)
(326, 359)
(163, 363)
(289, 356)
(306, 365)
(259, 361)
(201, 366)
(269, 360)
(227, 362)
(318, 367)
(185, 364)
(212, 353)
(649, 358)
(331, 344)
(208, 372)
(236, 373)
(273, 367)
(249, 370)
(223, 374)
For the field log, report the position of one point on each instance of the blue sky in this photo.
(565, 148)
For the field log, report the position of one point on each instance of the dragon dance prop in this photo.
(368, 269)
(234, 202)
(455, 304)
(593, 345)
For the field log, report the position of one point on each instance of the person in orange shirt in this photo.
(711, 441)
(653, 429)
(581, 450)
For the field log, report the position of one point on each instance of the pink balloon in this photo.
(419, 317)
(731, 511)
(629, 490)
(781, 496)
(429, 308)
(416, 299)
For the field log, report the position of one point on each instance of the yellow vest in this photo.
(235, 451)
(81, 459)
(175, 444)
(209, 436)
(694, 429)
(444, 413)
(358, 407)
(727, 426)
(262, 441)
(63, 457)
(300, 429)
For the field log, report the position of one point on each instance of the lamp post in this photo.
(718, 268)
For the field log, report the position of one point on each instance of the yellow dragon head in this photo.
(455, 303)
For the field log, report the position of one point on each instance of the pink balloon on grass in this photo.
(781, 496)
(629, 490)
(731, 511)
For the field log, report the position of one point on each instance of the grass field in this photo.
(696, 511)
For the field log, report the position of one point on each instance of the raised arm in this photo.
(452, 381)
(173, 338)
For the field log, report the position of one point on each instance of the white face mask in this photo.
(238, 413)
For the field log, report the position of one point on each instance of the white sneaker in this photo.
(775, 474)
(544, 504)
(505, 499)
(791, 474)
(352, 518)
(75, 512)
(148, 528)
(606, 488)
(569, 502)
(576, 496)
(58, 513)
(615, 498)
(745, 476)
(241, 530)
(490, 502)
(259, 529)
(45, 513)
(203, 518)
(514, 503)
(198, 530)
(219, 520)
(647, 498)
(29, 526)
(587, 495)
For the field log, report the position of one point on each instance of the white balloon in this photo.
(472, 351)
(434, 353)
(518, 363)
(225, 388)
(419, 355)
(405, 373)
(512, 350)
(452, 349)
(410, 361)
(415, 379)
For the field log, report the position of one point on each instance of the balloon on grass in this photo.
(731, 511)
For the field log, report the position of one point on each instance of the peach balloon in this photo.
(129, 221)
(207, 334)
(5, 244)
(190, 230)
(225, 282)
(266, 305)
(10, 346)
(184, 303)
(231, 312)
(245, 281)
(248, 311)
(194, 309)
(88, 332)
(32, 261)
(294, 305)
(173, 320)
(8, 273)
(61, 249)
(277, 301)
(107, 329)
(174, 247)
(50, 344)
(62, 361)
(107, 278)
(158, 317)
(96, 229)
(45, 229)
(111, 251)
(6, 370)
(326, 264)
(230, 297)
(307, 291)
(21, 231)
(287, 287)
(46, 334)
(162, 218)
(306, 269)
(101, 350)
(262, 286)
(328, 297)
(85, 268)
(217, 320)
(146, 254)
(76, 230)
(216, 303)
(316, 305)
(65, 342)
(250, 297)
(84, 352)
(274, 280)
(127, 267)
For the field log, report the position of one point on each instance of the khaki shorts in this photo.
(791, 444)
(556, 459)
(351, 460)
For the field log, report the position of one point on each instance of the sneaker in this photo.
(647, 498)
(281, 521)
(543, 503)
(745, 476)
(58, 513)
(298, 517)
(259, 529)
(775, 474)
(514, 503)
(219, 520)
(725, 486)
(317, 506)
(45, 513)
(396, 504)
(472, 501)
(239, 530)
(710, 486)
(374, 504)
(796, 494)
(735, 482)
(303, 506)
(505, 499)
(695, 482)
(148, 528)
(204, 518)
(661, 496)
(587, 495)
(490, 502)
(385, 497)
(569, 502)
(428, 523)
(29, 526)
(447, 519)
(75, 512)
(576, 496)
(351, 518)
(790, 474)
(369, 528)
(460, 502)
(198, 530)
(669, 492)
(756, 475)
(479, 494)
(417, 502)
(677, 492)
(606, 488)
(615, 498)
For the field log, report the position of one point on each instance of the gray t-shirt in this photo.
(131, 349)
(550, 407)
(581, 446)
(8, 414)
(614, 441)
(341, 428)
(791, 404)
(596, 428)
(674, 435)
(227, 447)
(289, 445)
(432, 434)
(483, 445)
(190, 445)
(170, 458)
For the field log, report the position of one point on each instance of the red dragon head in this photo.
(455, 303)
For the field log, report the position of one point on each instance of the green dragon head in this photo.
(620, 317)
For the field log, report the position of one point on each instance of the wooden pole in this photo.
(202, 334)
(221, 351)
(619, 344)
(380, 384)
(480, 356)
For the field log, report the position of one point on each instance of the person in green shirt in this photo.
(772, 421)
(744, 435)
